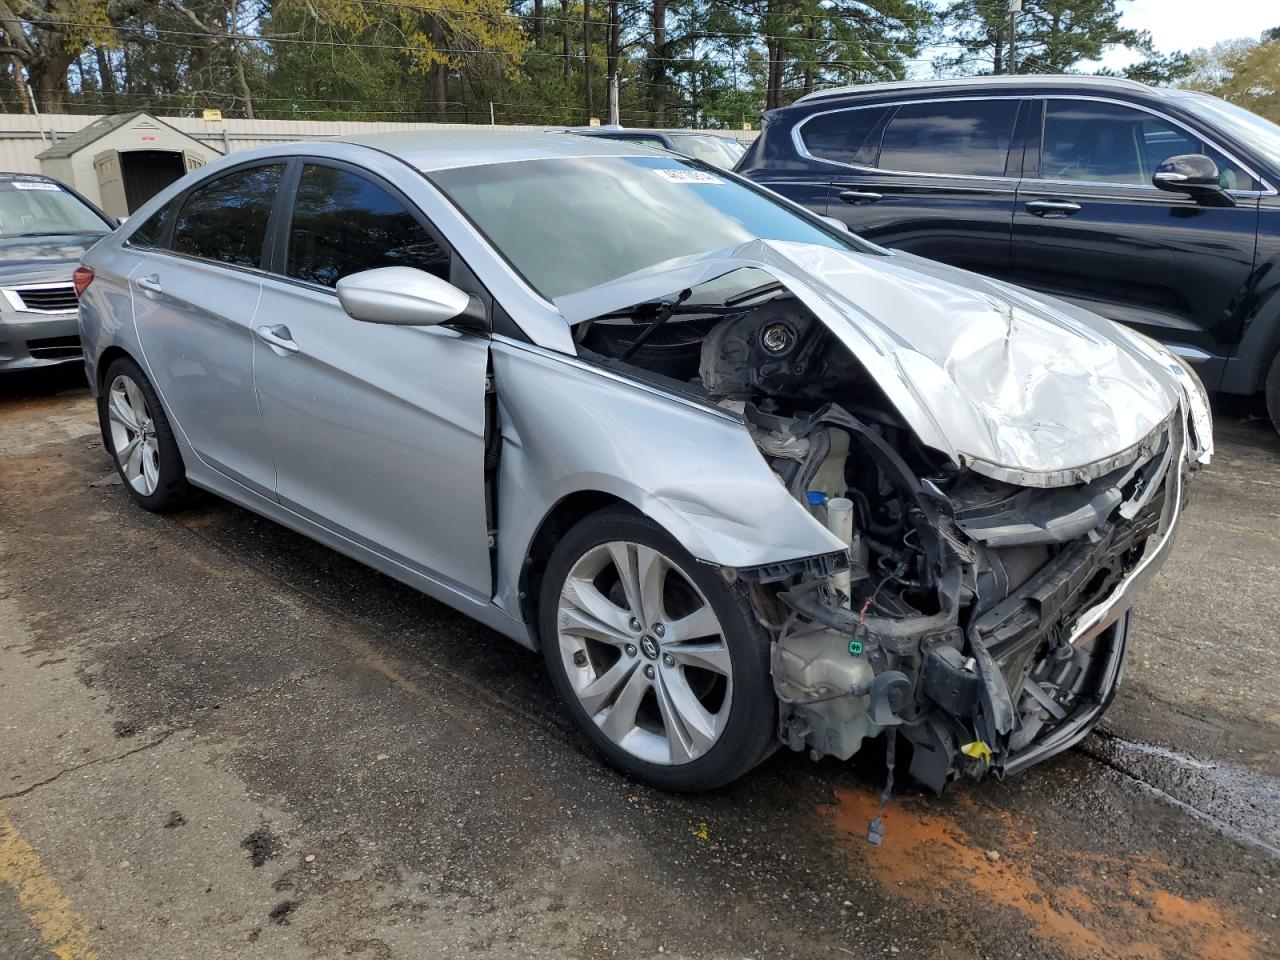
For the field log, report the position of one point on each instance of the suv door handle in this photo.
(1052, 208)
(860, 196)
(151, 284)
(278, 337)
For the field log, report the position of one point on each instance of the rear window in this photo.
(846, 136)
(226, 219)
(958, 137)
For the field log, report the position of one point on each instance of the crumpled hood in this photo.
(995, 377)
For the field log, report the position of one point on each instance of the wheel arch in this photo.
(562, 517)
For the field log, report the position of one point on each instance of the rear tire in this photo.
(663, 667)
(1273, 392)
(140, 440)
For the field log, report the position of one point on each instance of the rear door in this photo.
(936, 178)
(194, 299)
(377, 431)
(1091, 228)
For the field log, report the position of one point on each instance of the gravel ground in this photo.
(218, 739)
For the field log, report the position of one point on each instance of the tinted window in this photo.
(152, 231)
(226, 219)
(1110, 143)
(845, 136)
(952, 137)
(344, 223)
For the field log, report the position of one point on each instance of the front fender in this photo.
(568, 427)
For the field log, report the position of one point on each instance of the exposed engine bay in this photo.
(983, 620)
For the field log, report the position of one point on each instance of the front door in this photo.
(1090, 227)
(377, 431)
(936, 180)
(195, 296)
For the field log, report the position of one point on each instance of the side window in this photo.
(969, 137)
(226, 219)
(152, 232)
(344, 223)
(845, 136)
(1111, 143)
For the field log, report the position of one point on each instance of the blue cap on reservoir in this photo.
(817, 498)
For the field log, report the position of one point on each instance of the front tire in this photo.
(140, 439)
(657, 659)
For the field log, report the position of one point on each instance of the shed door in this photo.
(111, 183)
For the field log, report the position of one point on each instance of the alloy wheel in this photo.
(645, 653)
(133, 435)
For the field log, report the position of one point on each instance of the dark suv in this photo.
(1157, 208)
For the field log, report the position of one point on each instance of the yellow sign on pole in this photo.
(211, 113)
(594, 121)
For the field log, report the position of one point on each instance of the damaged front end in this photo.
(980, 606)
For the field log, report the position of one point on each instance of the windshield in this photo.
(40, 208)
(1259, 135)
(718, 151)
(570, 224)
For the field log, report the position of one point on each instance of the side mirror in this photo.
(400, 295)
(1195, 175)
(835, 222)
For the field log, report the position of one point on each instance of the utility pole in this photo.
(1015, 7)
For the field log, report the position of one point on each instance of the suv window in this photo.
(344, 223)
(152, 231)
(226, 219)
(844, 136)
(1111, 143)
(969, 137)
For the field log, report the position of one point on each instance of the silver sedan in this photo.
(743, 478)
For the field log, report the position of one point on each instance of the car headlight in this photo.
(1197, 397)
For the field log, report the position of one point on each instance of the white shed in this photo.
(122, 161)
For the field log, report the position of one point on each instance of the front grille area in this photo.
(54, 298)
(54, 348)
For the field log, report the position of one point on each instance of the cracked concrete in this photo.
(226, 741)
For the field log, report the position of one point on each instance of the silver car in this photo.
(743, 478)
(45, 228)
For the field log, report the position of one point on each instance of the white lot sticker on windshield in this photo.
(688, 176)
(34, 185)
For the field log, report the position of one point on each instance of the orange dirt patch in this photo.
(1115, 906)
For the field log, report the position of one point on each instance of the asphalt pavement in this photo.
(221, 740)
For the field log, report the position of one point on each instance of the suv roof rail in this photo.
(1031, 79)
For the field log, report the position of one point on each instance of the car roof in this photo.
(1024, 81)
(431, 150)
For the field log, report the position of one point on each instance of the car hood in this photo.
(39, 259)
(1016, 386)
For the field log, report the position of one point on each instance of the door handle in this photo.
(151, 284)
(1052, 208)
(278, 337)
(860, 196)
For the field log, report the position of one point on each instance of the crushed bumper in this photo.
(990, 686)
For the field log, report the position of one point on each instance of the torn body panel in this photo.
(990, 547)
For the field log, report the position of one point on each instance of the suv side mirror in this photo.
(400, 295)
(1195, 175)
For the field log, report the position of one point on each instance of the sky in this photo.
(1189, 24)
